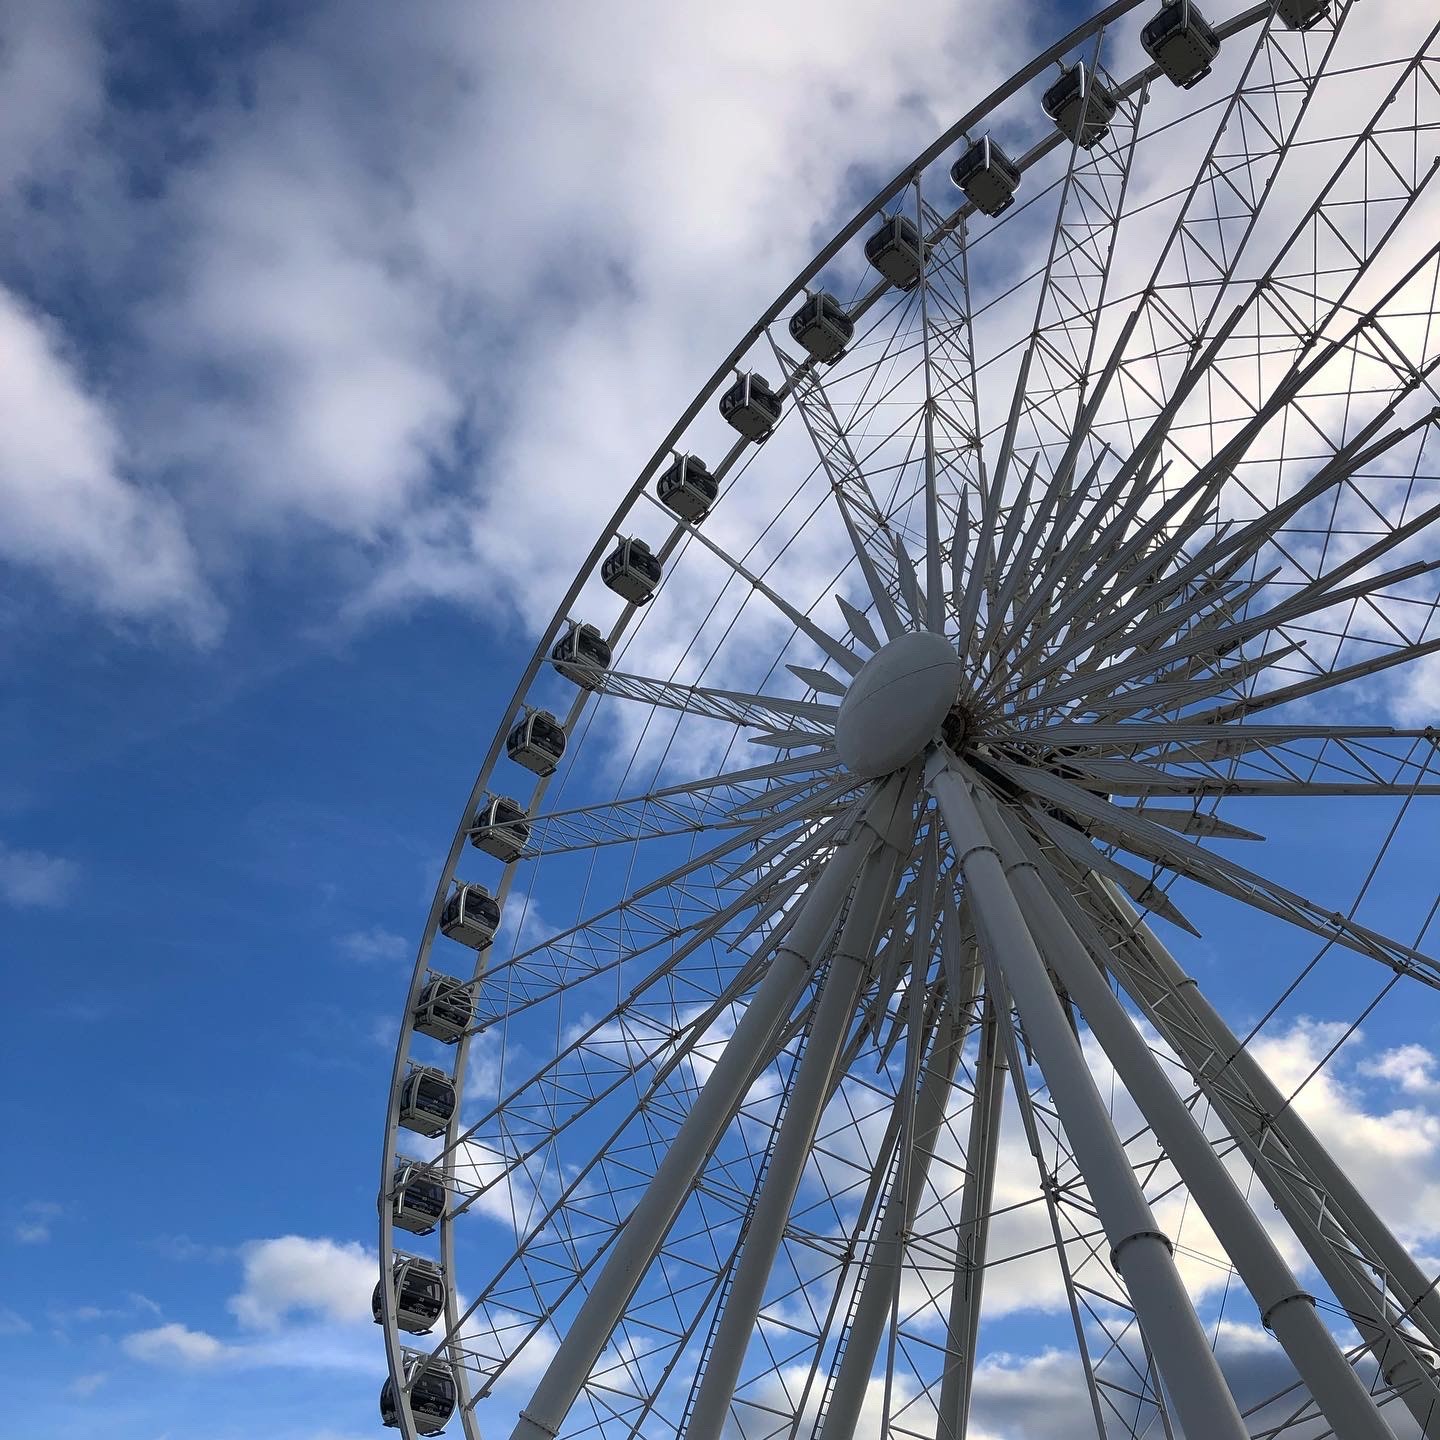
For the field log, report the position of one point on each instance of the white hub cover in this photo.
(895, 705)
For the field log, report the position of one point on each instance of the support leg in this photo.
(834, 1012)
(1140, 1253)
(1284, 1307)
(974, 1229)
(747, 1050)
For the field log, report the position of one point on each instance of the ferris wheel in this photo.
(798, 979)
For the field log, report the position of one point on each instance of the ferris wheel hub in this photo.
(897, 703)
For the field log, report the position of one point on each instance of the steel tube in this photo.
(1285, 1308)
(1141, 1254)
(1212, 1053)
(973, 1231)
(747, 1049)
(1357, 1214)
(808, 1096)
(842, 1413)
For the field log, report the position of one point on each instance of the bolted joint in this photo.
(539, 1424)
(1120, 1244)
(1299, 1296)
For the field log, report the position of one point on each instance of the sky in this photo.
(329, 334)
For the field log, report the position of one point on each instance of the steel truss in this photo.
(829, 1020)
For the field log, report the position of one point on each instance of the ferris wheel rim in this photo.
(613, 528)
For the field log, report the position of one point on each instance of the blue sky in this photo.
(327, 343)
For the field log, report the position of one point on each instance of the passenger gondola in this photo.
(537, 742)
(471, 916)
(1081, 106)
(897, 251)
(751, 407)
(822, 327)
(417, 1196)
(501, 828)
(432, 1395)
(687, 488)
(445, 1010)
(631, 571)
(1181, 42)
(579, 653)
(419, 1294)
(1303, 14)
(988, 176)
(427, 1101)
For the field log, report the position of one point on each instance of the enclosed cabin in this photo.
(417, 1196)
(427, 1101)
(501, 828)
(751, 407)
(988, 176)
(471, 916)
(687, 488)
(445, 1010)
(822, 327)
(432, 1394)
(1081, 106)
(1303, 14)
(631, 571)
(898, 252)
(419, 1294)
(537, 742)
(1181, 42)
(579, 654)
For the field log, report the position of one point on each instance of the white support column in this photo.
(973, 1231)
(1221, 1067)
(1285, 1308)
(1368, 1228)
(809, 1092)
(1140, 1253)
(842, 1413)
(748, 1048)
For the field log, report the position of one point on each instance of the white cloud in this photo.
(33, 1225)
(1411, 1067)
(375, 945)
(50, 85)
(33, 878)
(173, 1342)
(295, 1274)
(68, 506)
(86, 1385)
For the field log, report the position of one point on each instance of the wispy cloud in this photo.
(31, 878)
(375, 946)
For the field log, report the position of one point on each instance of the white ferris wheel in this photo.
(798, 974)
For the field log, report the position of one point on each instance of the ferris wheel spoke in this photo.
(841, 654)
(715, 800)
(857, 505)
(603, 941)
(734, 706)
(973, 1228)
(1132, 831)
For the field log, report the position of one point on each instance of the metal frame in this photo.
(813, 956)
